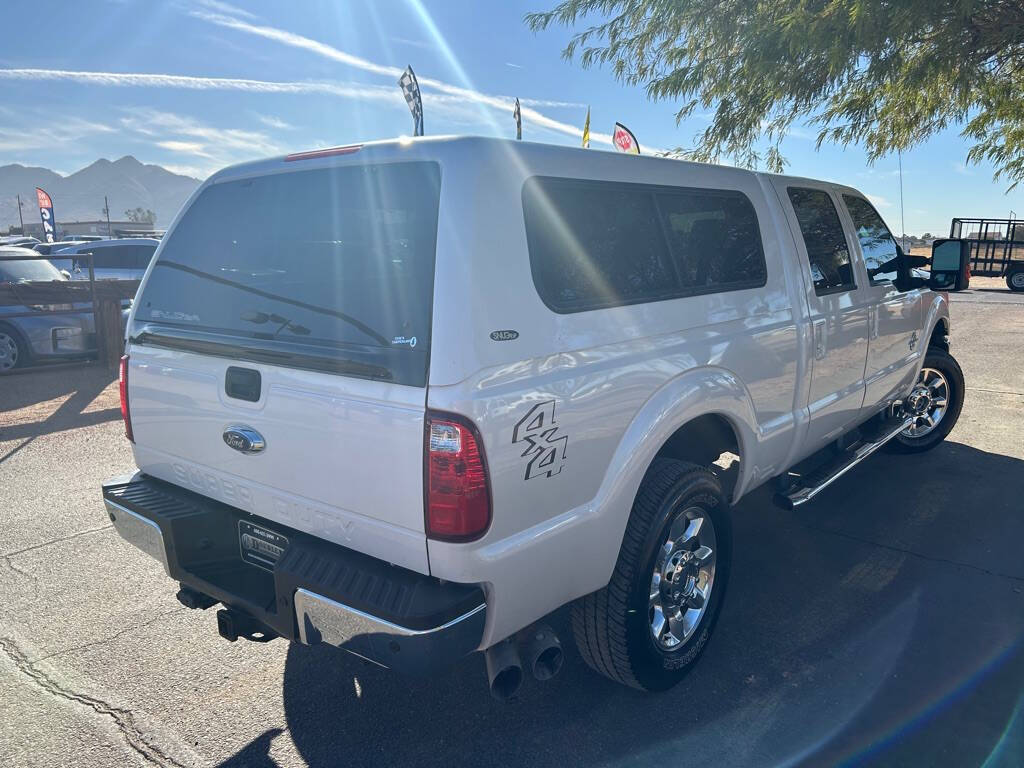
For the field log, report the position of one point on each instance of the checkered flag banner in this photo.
(411, 90)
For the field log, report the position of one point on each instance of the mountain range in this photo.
(127, 183)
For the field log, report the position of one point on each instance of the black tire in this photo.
(10, 335)
(942, 361)
(1015, 280)
(612, 626)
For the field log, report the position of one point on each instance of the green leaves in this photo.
(885, 74)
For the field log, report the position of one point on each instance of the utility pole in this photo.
(106, 210)
(903, 221)
(20, 218)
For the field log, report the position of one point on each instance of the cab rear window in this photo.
(599, 244)
(330, 269)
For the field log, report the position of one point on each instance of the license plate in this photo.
(259, 546)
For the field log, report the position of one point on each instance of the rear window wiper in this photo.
(282, 323)
(190, 342)
(381, 340)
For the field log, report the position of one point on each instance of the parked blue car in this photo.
(36, 338)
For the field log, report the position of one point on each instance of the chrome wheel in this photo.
(1017, 280)
(8, 351)
(684, 574)
(928, 401)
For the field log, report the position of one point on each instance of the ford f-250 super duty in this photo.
(407, 398)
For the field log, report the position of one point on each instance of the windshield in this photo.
(28, 269)
(335, 263)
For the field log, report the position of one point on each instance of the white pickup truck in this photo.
(407, 398)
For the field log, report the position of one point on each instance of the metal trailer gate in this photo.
(996, 244)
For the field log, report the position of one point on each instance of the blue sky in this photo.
(194, 85)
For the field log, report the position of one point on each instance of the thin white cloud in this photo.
(200, 148)
(148, 80)
(180, 133)
(409, 41)
(514, 66)
(326, 51)
(222, 7)
(186, 147)
(275, 122)
(19, 135)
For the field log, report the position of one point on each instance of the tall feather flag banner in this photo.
(517, 115)
(624, 140)
(46, 214)
(586, 131)
(411, 90)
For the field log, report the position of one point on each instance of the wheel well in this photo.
(709, 441)
(940, 335)
(15, 331)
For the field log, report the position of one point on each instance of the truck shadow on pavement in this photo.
(885, 617)
(46, 401)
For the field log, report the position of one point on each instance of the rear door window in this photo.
(824, 239)
(113, 257)
(330, 269)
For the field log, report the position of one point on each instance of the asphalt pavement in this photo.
(880, 624)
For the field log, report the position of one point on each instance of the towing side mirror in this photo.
(950, 261)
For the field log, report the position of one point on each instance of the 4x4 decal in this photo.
(544, 446)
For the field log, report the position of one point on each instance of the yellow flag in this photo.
(586, 131)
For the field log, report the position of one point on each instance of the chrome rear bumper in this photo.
(322, 620)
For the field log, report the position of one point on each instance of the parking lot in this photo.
(881, 623)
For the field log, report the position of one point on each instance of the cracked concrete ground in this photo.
(882, 623)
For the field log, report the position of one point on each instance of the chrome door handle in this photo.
(819, 339)
(873, 323)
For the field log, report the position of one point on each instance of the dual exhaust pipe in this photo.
(536, 648)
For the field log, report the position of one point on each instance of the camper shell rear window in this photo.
(329, 269)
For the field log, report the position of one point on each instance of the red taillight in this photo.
(123, 385)
(458, 497)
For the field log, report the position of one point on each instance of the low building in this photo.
(67, 229)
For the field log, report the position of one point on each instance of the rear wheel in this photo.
(648, 627)
(936, 399)
(1015, 280)
(13, 352)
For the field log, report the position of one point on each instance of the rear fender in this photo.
(533, 572)
(699, 392)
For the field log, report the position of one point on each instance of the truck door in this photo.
(895, 317)
(838, 313)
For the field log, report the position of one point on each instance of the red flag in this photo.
(624, 140)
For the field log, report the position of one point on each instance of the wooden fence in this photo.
(102, 297)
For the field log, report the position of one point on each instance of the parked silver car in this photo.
(25, 336)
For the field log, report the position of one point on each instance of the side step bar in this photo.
(806, 489)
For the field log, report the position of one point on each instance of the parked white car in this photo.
(408, 398)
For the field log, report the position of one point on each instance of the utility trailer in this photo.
(997, 248)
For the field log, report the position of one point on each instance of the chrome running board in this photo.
(807, 488)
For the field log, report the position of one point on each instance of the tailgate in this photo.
(343, 458)
(313, 342)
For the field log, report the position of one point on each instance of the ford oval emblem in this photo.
(244, 439)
